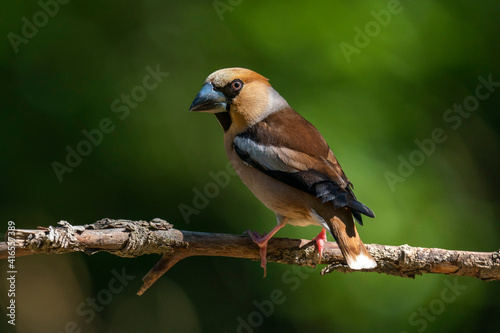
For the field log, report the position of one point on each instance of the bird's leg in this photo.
(320, 241)
(261, 240)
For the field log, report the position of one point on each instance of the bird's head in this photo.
(238, 97)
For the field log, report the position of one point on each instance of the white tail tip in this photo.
(362, 261)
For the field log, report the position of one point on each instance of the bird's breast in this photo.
(275, 195)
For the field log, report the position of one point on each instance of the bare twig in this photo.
(135, 238)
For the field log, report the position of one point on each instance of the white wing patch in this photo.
(271, 157)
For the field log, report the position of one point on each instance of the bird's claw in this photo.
(320, 242)
(256, 237)
(262, 243)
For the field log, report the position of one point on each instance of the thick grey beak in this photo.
(209, 100)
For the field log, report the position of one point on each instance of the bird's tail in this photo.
(344, 231)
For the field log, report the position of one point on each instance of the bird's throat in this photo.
(224, 120)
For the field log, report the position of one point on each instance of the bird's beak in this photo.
(209, 100)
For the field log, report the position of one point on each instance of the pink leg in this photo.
(320, 241)
(261, 241)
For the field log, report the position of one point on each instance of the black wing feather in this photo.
(317, 184)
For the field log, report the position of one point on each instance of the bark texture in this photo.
(135, 238)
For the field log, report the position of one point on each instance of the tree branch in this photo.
(135, 238)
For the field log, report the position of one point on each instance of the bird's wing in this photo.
(288, 148)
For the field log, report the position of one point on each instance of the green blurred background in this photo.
(417, 61)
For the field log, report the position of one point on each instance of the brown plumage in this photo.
(284, 161)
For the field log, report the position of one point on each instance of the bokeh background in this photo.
(371, 103)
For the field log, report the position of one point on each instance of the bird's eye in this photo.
(236, 85)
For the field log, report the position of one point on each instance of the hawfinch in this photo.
(284, 160)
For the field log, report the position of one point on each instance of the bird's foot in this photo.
(261, 241)
(256, 237)
(320, 242)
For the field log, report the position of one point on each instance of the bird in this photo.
(285, 162)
